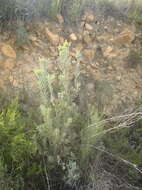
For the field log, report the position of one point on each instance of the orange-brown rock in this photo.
(125, 37)
(53, 38)
(8, 51)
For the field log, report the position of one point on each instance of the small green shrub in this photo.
(17, 146)
(64, 137)
(59, 148)
(136, 16)
(13, 11)
(126, 144)
(6, 11)
(134, 11)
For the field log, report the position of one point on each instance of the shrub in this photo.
(17, 147)
(58, 148)
(135, 11)
(64, 135)
(13, 11)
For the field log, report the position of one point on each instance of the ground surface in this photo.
(111, 60)
(111, 56)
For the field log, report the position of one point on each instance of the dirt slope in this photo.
(111, 58)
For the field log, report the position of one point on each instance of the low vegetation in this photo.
(57, 150)
(56, 145)
(13, 11)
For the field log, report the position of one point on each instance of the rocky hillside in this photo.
(110, 55)
(109, 47)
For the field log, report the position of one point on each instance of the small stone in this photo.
(97, 64)
(110, 68)
(118, 78)
(136, 93)
(73, 37)
(88, 27)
